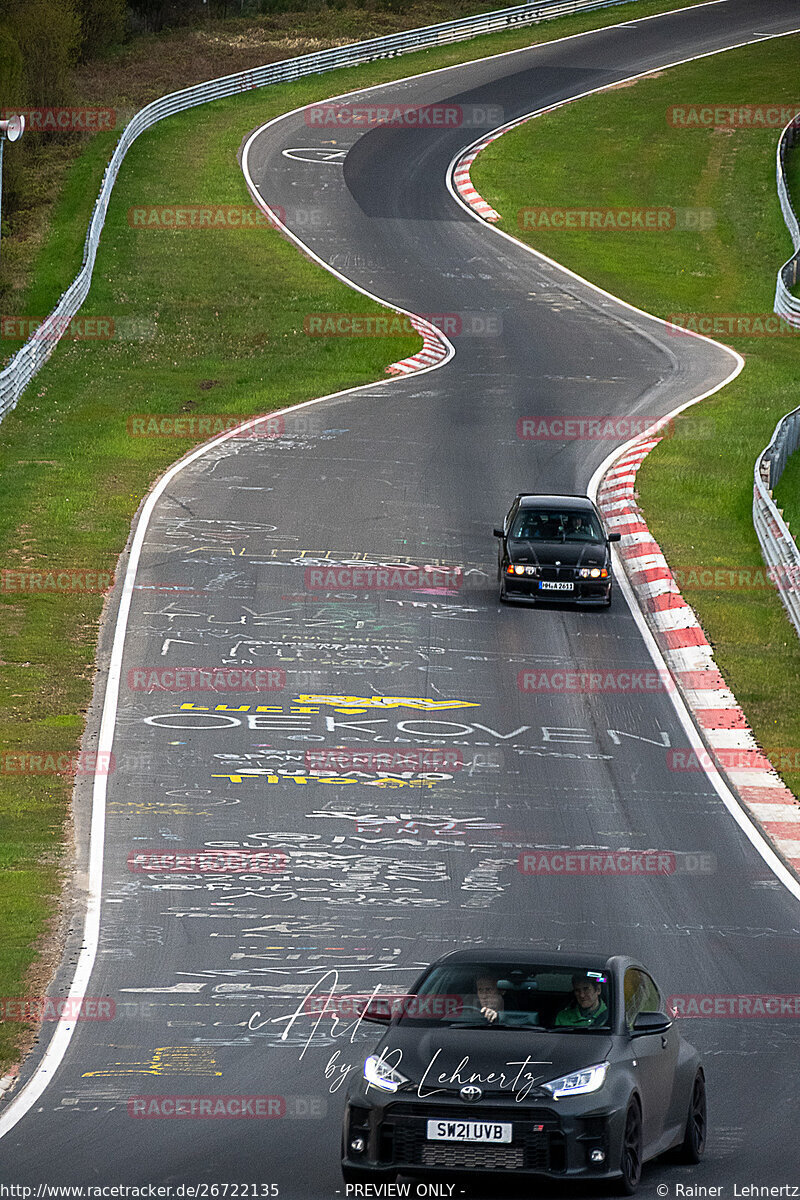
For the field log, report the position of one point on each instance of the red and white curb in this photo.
(434, 350)
(461, 177)
(464, 185)
(690, 659)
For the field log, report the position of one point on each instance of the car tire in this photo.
(607, 603)
(630, 1159)
(503, 596)
(694, 1138)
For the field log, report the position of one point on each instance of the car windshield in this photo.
(556, 525)
(510, 995)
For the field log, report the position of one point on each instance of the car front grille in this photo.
(558, 574)
(471, 1158)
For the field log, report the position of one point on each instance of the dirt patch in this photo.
(629, 83)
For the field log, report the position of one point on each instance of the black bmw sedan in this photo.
(554, 548)
(554, 1065)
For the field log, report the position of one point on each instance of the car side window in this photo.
(512, 512)
(656, 1002)
(641, 995)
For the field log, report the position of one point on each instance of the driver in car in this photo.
(588, 1008)
(491, 1000)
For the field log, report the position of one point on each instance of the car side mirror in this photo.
(650, 1022)
(614, 537)
(497, 532)
(379, 1010)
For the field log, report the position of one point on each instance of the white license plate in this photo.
(469, 1131)
(547, 586)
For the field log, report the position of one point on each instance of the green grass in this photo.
(226, 307)
(787, 494)
(792, 170)
(696, 487)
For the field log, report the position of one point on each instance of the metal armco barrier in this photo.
(777, 544)
(40, 345)
(787, 305)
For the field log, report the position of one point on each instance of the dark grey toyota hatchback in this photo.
(555, 1065)
(554, 548)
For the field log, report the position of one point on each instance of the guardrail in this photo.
(779, 548)
(777, 544)
(787, 305)
(40, 345)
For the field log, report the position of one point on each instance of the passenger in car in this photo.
(588, 1008)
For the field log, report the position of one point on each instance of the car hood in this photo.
(569, 554)
(457, 1054)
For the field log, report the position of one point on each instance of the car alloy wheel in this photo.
(631, 1159)
(694, 1139)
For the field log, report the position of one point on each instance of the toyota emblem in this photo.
(470, 1093)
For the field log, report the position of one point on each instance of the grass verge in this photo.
(792, 169)
(787, 493)
(695, 488)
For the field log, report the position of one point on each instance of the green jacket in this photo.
(575, 1016)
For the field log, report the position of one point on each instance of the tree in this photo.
(48, 33)
(102, 25)
(12, 98)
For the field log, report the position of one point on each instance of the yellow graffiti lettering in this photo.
(361, 703)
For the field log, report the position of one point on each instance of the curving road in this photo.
(380, 878)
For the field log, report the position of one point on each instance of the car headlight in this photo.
(593, 572)
(578, 1083)
(519, 570)
(382, 1074)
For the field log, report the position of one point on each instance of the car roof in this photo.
(502, 954)
(533, 500)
